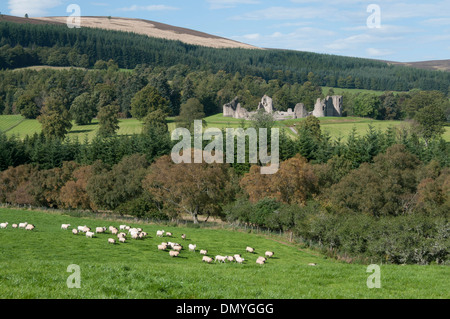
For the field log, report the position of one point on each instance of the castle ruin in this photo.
(330, 106)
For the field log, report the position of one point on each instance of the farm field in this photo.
(335, 126)
(34, 265)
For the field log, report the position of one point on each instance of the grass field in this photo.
(33, 264)
(335, 126)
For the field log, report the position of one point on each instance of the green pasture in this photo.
(33, 264)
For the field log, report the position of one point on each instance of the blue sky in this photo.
(406, 30)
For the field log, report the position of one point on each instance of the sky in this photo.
(394, 30)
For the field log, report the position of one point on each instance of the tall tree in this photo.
(108, 120)
(55, 118)
(148, 100)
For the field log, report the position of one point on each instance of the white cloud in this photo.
(156, 7)
(378, 52)
(224, 4)
(31, 7)
(282, 13)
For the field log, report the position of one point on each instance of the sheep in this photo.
(192, 247)
(262, 258)
(4, 225)
(236, 256)
(30, 227)
(250, 249)
(183, 236)
(89, 234)
(111, 228)
(207, 259)
(144, 234)
(122, 227)
(114, 231)
(135, 236)
(23, 225)
(14, 225)
(133, 230)
(177, 247)
(312, 264)
(160, 233)
(80, 228)
(221, 258)
(168, 234)
(230, 258)
(173, 253)
(100, 229)
(127, 227)
(203, 251)
(111, 241)
(120, 235)
(122, 239)
(269, 254)
(75, 231)
(239, 260)
(260, 261)
(162, 247)
(65, 226)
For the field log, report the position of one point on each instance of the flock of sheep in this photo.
(126, 231)
(174, 249)
(20, 225)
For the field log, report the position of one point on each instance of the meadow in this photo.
(337, 127)
(33, 264)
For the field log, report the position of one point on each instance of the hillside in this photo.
(144, 27)
(438, 65)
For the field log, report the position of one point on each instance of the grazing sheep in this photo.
(3, 225)
(100, 230)
(14, 225)
(89, 234)
(23, 225)
(221, 258)
(111, 228)
(177, 247)
(121, 235)
(230, 258)
(250, 249)
(183, 236)
(173, 253)
(122, 227)
(114, 231)
(144, 234)
(236, 256)
(75, 231)
(203, 251)
(312, 264)
(127, 227)
(269, 254)
(192, 247)
(80, 228)
(111, 241)
(160, 233)
(162, 247)
(262, 258)
(65, 226)
(207, 259)
(122, 239)
(239, 260)
(260, 261)
(30, 227)
(168, 234)
(135, 236)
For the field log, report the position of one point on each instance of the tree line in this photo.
(24, 45)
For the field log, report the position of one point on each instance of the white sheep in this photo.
(269, 254)
(30, 227)
(122, 239)
(160, 233)
(207, 259)
(4, 225)
(236, 256)
(221, 258)
(203, 251)
(192, 247)
(168, 234)
(260, 261)
(111, 228)
(14, 225)
(111, 240)
(173, 253)
(65, 226)
(100, 229)
(230, 258)
(121, 235)
(89, 234)
(23, 225)
(250, 249)
(239, 260)
(114, 231)
(162, 247)
(183, 236)
(80, 228)
(122, 227)
(75, 231)
(135, 236)
(177, 247)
